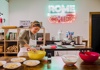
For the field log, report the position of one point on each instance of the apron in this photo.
(23, 50)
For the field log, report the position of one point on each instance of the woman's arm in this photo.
(23, 42)
(26, 45)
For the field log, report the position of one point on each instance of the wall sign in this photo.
(61, 13)
(24, 23)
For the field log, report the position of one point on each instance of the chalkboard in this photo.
(95, 32)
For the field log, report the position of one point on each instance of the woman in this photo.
(28, 38)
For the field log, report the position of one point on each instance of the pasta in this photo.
(30, 63)
(18, 60)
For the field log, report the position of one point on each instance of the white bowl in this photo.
(69, 60)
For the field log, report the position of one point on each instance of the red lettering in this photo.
(69, 18)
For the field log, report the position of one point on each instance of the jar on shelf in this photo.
(1, 48)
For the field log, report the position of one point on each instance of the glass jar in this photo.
(1, 48)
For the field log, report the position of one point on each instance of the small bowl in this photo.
(69, 60)
(40, 39)
(89, 57)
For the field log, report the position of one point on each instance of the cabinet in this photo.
(94, 31)
(10, 44)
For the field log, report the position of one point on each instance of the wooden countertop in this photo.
(57, 64)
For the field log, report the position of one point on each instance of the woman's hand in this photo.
(42, 49)
(31, 49)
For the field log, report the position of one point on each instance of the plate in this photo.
(12, 65)
(18, 59)
(2, 63)
(31, 62)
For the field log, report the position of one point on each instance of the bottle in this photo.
(49, 57)
(59, 35)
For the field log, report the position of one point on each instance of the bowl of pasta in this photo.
(19, 59)
(12, 65)
(31, 62)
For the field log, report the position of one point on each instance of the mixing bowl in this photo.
(89, 56)
(69, 60)
(38, 55)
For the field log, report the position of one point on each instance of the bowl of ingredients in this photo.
(11, 65)
(36, 55)
(31, 62)
(69, 60)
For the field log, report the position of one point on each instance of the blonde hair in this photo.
(36, 24)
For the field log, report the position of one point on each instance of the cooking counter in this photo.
(57, 64)
(66, 48)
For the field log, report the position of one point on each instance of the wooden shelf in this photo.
(1, 40)
(28, 28)
(11, 40)
(9, 27)
(1, 52)
(11, 52)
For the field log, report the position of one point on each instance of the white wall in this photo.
(4, 8)
(37, 10)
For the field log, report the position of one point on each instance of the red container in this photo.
(89, 56)
(53, 47)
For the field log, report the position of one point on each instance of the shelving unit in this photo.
(9, 43)
(6, 43)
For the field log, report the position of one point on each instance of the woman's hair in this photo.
(36, 24)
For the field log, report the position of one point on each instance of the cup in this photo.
(40, 39)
